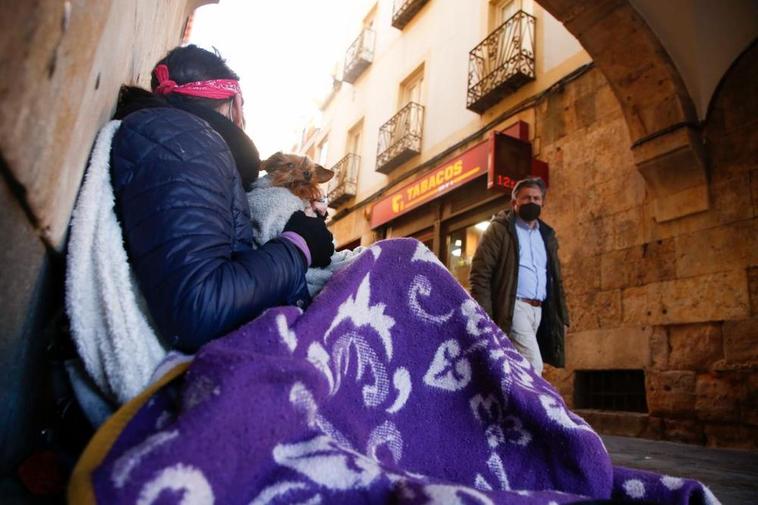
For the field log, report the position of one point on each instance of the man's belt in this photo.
(533, 303)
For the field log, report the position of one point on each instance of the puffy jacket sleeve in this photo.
(483, 266)
(187, 231)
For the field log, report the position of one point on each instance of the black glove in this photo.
(316, 235)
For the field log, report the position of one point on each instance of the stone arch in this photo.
(659, 112)
(730, 132)
(743, 66)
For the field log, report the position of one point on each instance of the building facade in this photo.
(441, 105)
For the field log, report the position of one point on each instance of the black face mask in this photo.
(529, 211)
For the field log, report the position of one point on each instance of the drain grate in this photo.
(622, 390)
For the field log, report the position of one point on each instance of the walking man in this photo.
(515, 276)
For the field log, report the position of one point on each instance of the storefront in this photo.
(449, 207)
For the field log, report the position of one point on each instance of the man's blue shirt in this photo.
(532, 265)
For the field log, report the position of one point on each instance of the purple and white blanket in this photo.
(393, 387)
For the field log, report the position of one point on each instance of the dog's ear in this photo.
(276, 161)
(323, 174)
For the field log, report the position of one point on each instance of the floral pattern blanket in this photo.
(393, 387)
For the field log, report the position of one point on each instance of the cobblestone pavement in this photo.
(732, 475)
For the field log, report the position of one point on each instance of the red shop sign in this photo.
(432, 184)
(505, 157)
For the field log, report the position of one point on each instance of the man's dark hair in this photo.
(529, 182)
(190, 64)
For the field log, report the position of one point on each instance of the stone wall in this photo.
(677, 299)
(62, 65)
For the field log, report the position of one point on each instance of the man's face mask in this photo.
(529, 211)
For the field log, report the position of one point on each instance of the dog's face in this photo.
(288, 168)
(299, 174)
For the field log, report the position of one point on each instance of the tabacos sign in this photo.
(432, 184)
(505, 158)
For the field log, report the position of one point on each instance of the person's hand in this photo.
(316, 236)
(320, 209)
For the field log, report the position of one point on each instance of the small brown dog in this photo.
(302, 177)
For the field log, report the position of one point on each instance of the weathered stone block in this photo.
(736, 436)
(66, 78)
(710, 297)
(597, 309)
(659, 348)
(563, 380)
(554, 118)
(741, 342)
(749, 403)
(608, 159)
(732, 199)
(590, 238)
(581, 275)
(688, 431)
(612, 196)
(584, 109)
(752, 287)
(632, 227)
(731, 202)
(638, 265)
(606, 104)
(674, 167)
(605, 349)
(671, 394)
(694, 346)
(718, 397)
(717, 249)
(625, 424)
(733, 152)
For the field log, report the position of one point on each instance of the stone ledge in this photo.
(628, 424)
(673, 165)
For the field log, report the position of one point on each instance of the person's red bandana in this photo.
(217, 89)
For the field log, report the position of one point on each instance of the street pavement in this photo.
(732, 475)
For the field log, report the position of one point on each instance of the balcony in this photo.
(344, 184)
(359, 55)
(400, 138)
(501, 63)
(404, 10)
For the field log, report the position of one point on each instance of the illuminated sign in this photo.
(505, 157)
(437, 182)
(510, 160)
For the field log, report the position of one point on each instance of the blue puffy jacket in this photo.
(186, 225)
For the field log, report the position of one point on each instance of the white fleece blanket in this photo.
(271, 208)
(109, 325)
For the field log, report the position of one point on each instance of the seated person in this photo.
(178, 165)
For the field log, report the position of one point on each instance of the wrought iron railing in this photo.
(359, 55)
(344, 184)
(400, 138)
(501, 63)
(404, 10)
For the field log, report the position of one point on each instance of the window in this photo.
(504, 10)
(411, 89)
(323, 152)
(354, 138)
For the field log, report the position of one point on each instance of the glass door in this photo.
(461, 245)
(462, 235)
